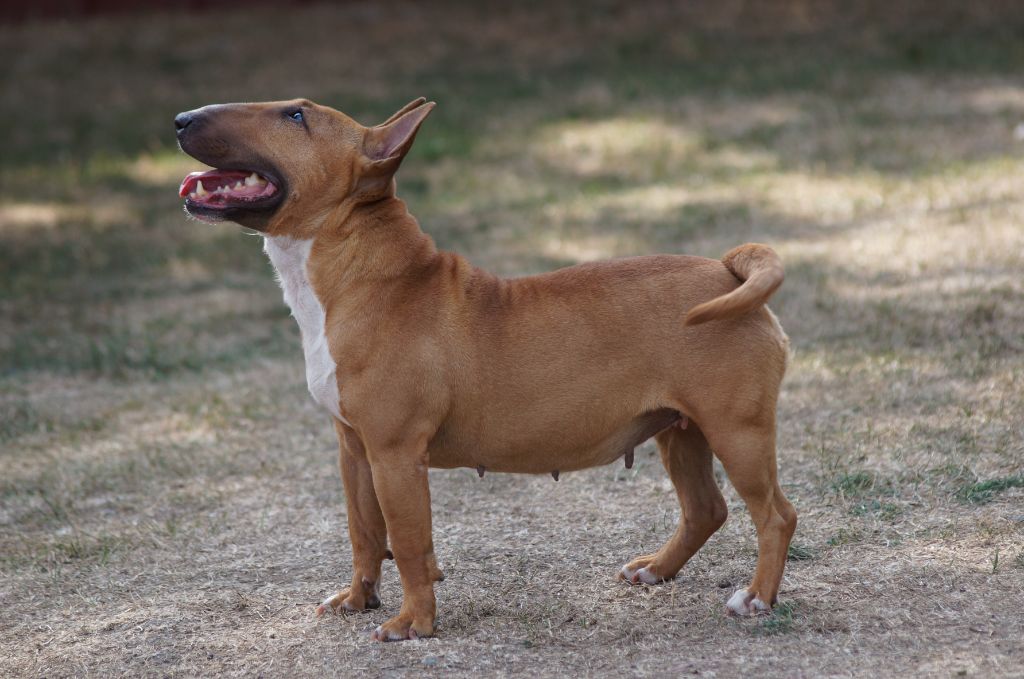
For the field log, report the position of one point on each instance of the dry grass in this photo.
(169, 502)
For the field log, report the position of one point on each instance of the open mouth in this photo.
(223, 189)
(245, 196)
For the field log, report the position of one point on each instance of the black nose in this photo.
(183, 120)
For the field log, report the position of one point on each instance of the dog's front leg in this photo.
(402, 485)
(366, 528)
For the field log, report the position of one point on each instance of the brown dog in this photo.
(425, 361)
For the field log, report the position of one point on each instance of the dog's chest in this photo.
(290, 258)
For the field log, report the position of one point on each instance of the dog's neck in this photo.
(363, 244)
(371, 244)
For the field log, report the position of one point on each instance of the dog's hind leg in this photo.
(747, 452)
(688, 461)
(366, 527)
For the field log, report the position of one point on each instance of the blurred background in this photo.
(162, 464)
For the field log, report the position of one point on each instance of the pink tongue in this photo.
(211, 180)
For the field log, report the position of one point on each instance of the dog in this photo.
(423, 360)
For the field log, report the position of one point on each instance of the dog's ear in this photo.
(415, 103)
(385, 146)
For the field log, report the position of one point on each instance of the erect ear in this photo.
(392, 139)
(385, 146)
(415, 103)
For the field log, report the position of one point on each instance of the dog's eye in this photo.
(296, 116)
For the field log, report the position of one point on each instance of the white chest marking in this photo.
(289, 257)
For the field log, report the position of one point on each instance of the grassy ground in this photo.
(169, 502)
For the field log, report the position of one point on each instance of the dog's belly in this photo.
(560, 453)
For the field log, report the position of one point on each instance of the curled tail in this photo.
(759, 268)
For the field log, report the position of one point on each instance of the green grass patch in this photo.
(160, 347)
(984, 491)
(779, 621)
(62, 554)
(19, 417)
(853, 484)
(799, 553)
(81, 547)
(845, 536)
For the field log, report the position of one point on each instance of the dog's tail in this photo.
(759, 268)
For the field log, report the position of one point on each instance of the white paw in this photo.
(379, 635)
(339, 602)
(641, 575)
(336, 604)
(742, 603)
(328, 605)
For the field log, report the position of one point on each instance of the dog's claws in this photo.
(629, 460)
(480, 469)
(554, 475)
(640, 576)
(388, 555)
(326, 606)
(380, 635)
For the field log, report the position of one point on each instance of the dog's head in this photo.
(281, 167)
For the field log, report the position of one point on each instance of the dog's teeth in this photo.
(201, 190)
(193, 195)
(252, 180)
(238, 184)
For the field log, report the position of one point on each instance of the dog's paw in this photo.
(641, 571)
(639, 576)
(402, 628)
(351, 600)
(744, 603)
